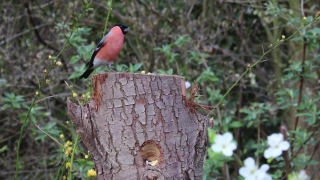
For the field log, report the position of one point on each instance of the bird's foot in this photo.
(110, 68)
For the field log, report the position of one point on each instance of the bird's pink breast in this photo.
(112, 47)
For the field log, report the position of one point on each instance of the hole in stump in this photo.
(150, 153)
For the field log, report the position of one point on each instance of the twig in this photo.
(301, 82)
(24, 32)
(258, 138)
(283, 130)
(305, 142)
(301, 8)
(238, 139)
(313, 153)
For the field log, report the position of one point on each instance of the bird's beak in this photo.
(126, 30)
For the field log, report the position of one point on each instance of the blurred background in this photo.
(209, 42)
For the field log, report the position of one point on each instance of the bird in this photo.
(107, 50)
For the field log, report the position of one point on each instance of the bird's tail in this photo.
(86, 73)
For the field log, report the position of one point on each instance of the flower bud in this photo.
(58, 63)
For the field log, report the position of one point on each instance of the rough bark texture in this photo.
(138, 126)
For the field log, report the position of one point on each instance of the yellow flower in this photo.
(74, 95)
(304, 18)
(69, 143)
(69, 149)
(68, 164)
(143, 72)
(37, 93)
(86, 156)
(61, 136)
(67, 153)
(283, 36)
(50, 57)
(91, 173)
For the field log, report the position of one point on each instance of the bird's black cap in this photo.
(124, 28)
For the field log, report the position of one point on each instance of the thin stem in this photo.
(25, 121)
(24, 125)
(301, 81)
(226, 166)
(258, 138)
(55, 140)
(305, 142)
(107, 19)
(238, 132)
(236, 157)
(302, 9)
(313, 153)
(285, 155)
(72, 156)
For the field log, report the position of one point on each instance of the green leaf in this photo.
(9, 95)
(4, 148)
(74, 59)
(78, 70)
(302, 106)
(16, 105)
(4, 107)
(312, 120)
(312, 75)
(90, 163)
(3, 82)
(270, 160)
(81, 161)
(169, 72)
(181, 40)
(236, 124)
(211, 134)
(307, 114)
(134, 68)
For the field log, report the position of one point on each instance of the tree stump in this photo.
(139, 126)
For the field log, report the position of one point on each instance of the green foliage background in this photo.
(210, 43)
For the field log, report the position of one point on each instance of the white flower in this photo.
(251, 172)
(223, 143)
(188, 84)
(276, 146)
(303, 175)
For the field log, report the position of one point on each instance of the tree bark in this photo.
(139, 126)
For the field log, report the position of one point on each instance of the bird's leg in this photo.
(109, 67)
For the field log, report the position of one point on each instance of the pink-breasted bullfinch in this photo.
(107, 50)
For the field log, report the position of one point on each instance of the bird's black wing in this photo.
(99, 46)
(89, 65)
